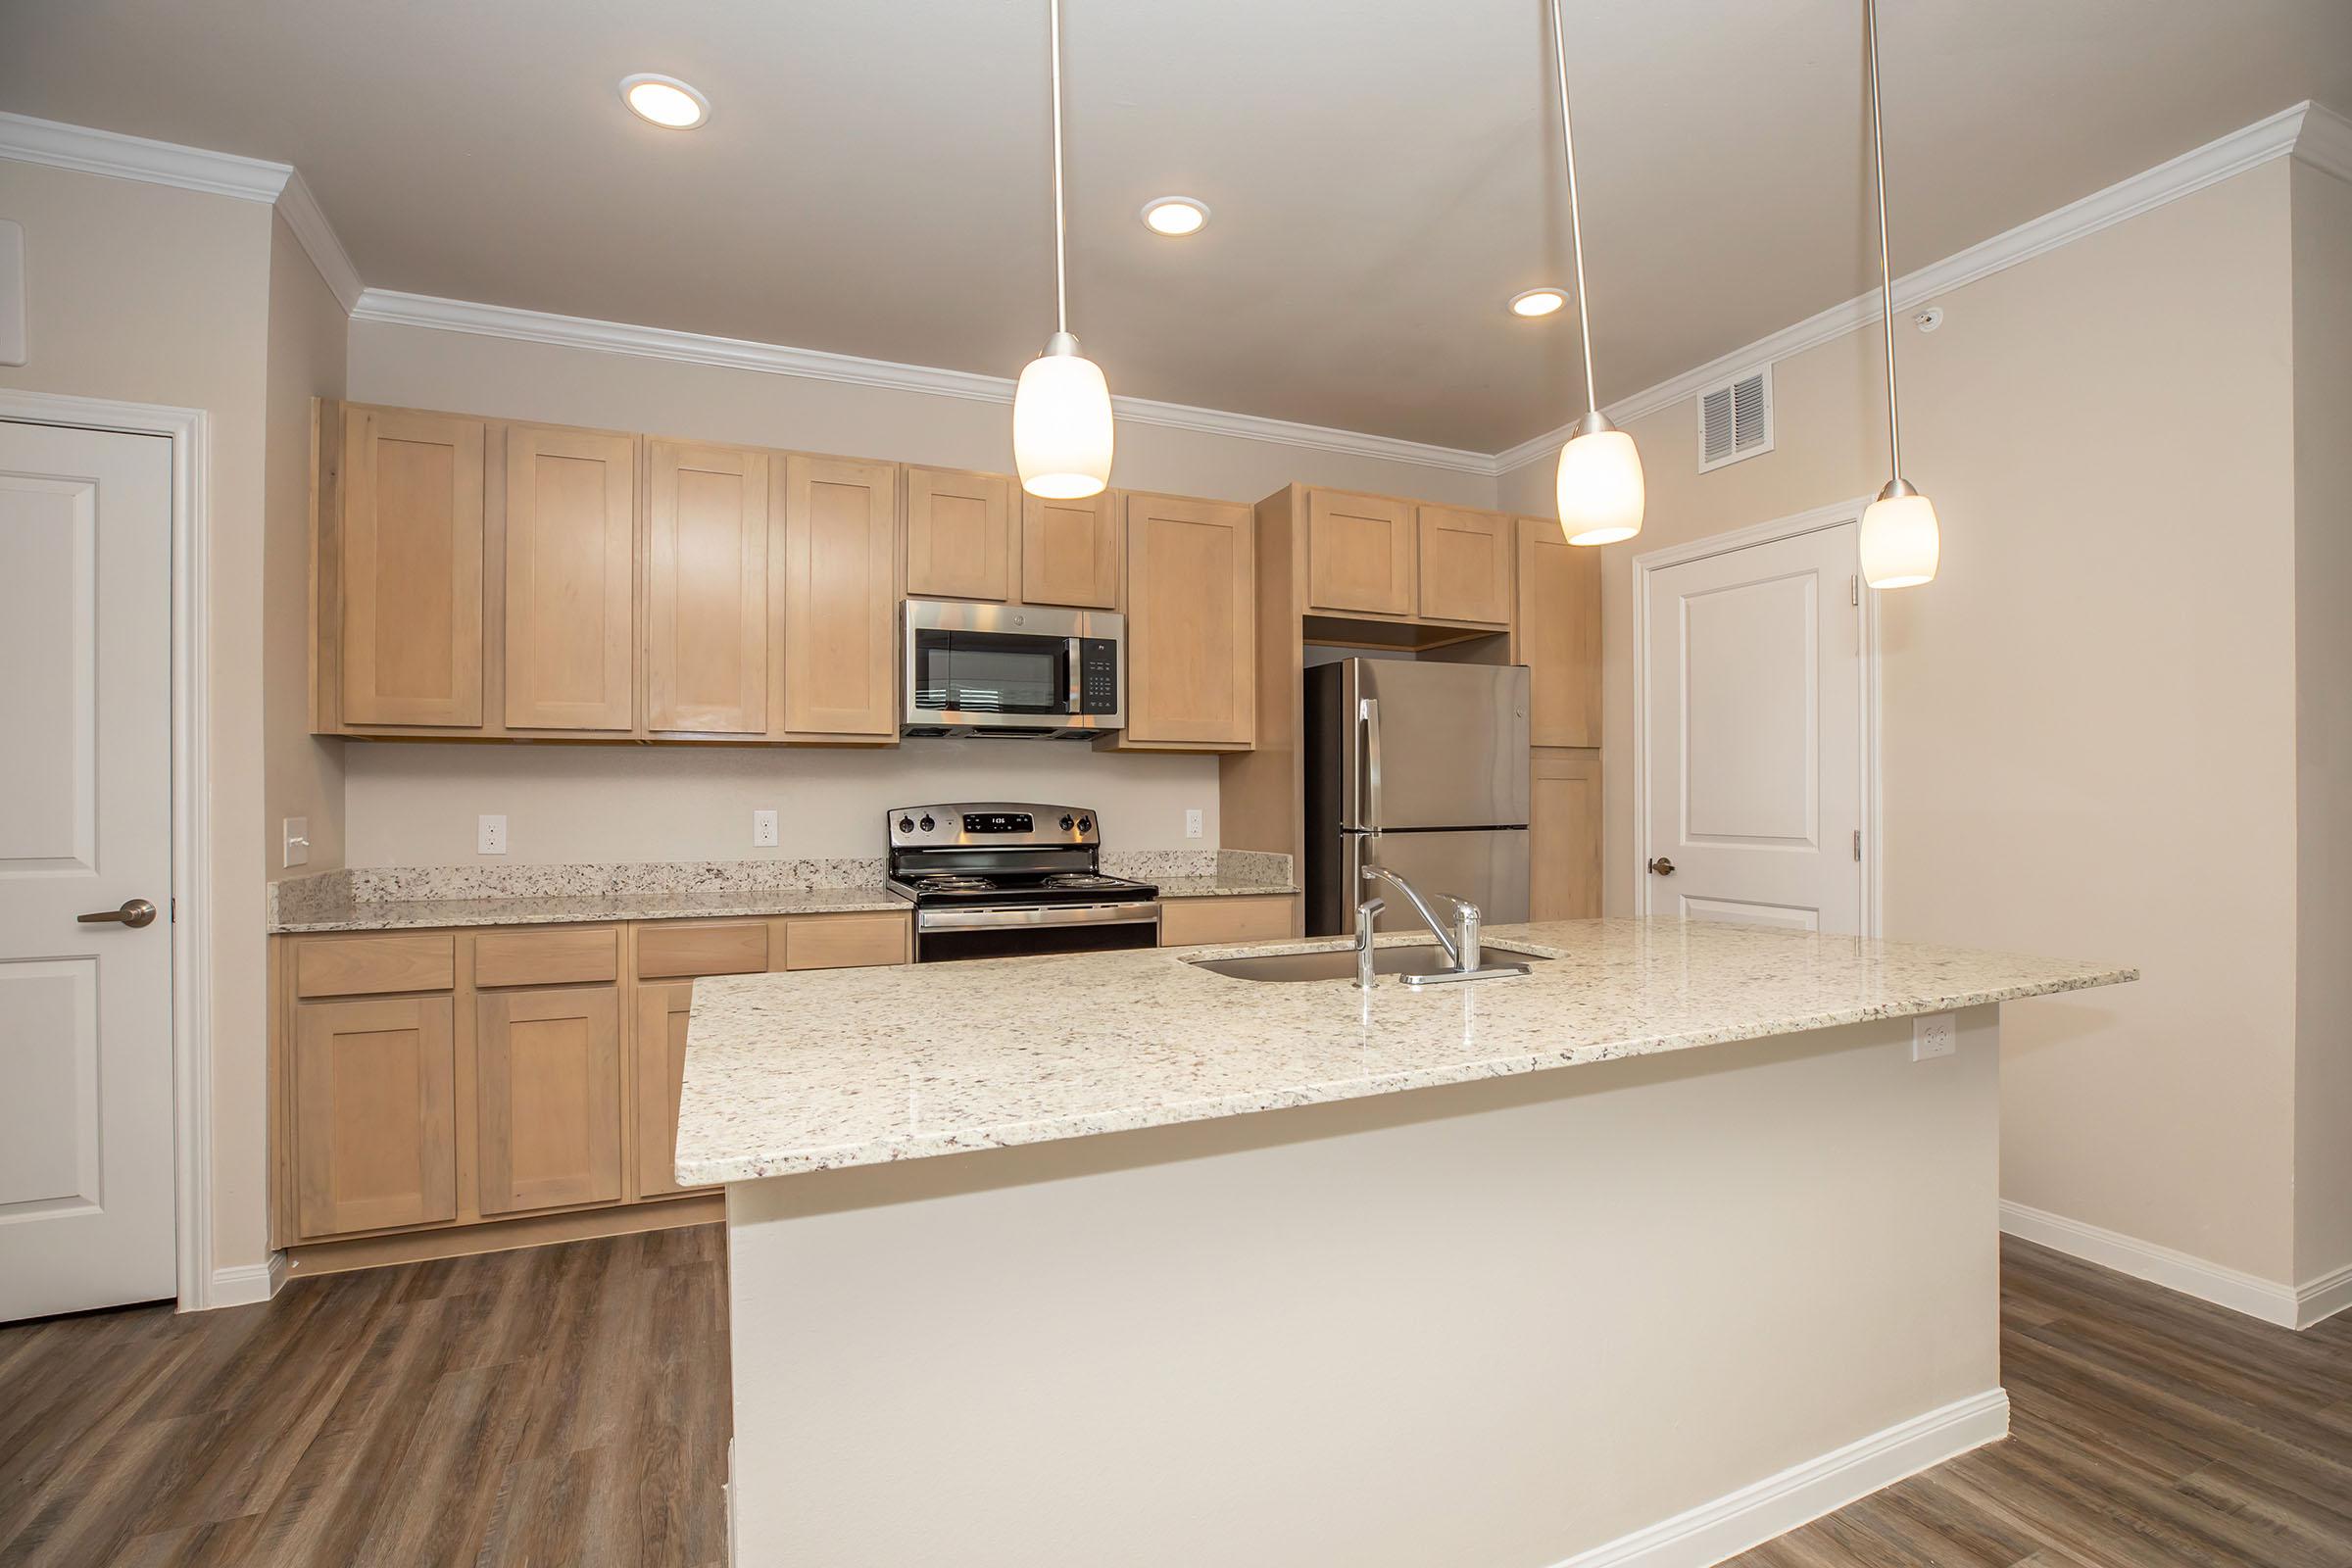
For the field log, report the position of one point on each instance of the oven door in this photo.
(940, 935)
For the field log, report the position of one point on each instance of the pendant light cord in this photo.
(1576, 235)
(1061, 283)
(1878, 153)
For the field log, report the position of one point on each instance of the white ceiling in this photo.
(1383, 172)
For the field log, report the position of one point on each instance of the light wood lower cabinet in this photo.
(1563, 832)
(374, 1102)
(1244, 917)
(442, 1079)
(547, 1097)
(662, 1014)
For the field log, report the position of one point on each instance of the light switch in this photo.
(490, 836)
(297, 840)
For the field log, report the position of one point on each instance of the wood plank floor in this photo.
(555, 1406)
(567, 1406)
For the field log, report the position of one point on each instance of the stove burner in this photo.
(954, 882)
(1085, 879)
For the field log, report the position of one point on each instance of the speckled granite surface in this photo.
(800, 1073)
(399, 897)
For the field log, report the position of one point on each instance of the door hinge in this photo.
(1854, 590)
(1857, 844)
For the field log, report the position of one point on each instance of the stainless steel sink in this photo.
(1339, 963)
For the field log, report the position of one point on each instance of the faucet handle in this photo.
(1371, 906)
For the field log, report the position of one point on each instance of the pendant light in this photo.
(1900, 541)
(1061, 408)
(1600, 490)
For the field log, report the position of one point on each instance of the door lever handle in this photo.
(1661, 866)
(136, 913)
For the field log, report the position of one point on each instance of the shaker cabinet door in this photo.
(1361, 553)
(960, 534)
(707, 605)
(840, 599)
(570, 599)
(1070, 551)
(1465, 565)
(1192, 628)
(411, 542)
(547, 1096)
(374, 1121)
(1556, 635)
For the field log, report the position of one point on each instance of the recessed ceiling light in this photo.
(1174, 215)
(1538, 302)
(665, 100)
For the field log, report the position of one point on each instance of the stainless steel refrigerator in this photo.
(1420, 767)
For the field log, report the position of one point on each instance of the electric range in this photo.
(993, 879)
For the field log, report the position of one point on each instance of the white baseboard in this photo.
(1738, 1520)
(2250, 1294)
(2317, 1300)
(247, 1283)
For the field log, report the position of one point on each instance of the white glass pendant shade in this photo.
(1061, 423)
(1601, 493)
(1900, 541)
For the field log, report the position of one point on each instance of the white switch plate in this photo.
(763, 830)
(297, 840)
(1192, 824)
(1934, 1034)
(490, 837)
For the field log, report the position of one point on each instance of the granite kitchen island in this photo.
(1648, 1254)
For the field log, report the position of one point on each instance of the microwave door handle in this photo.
(1071, 664)
(1368, 713)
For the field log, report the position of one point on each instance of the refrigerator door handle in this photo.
(1368, 713)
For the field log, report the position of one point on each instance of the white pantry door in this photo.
(1753, 736)
(86, 1196)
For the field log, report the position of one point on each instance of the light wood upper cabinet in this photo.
(840, 599)
(407, 627)
(570, 599)
(958, 535)
(1556, 634)
(1563, 836)
(1361, 553)
(1070, 551)
(374, 1129)
(707, 589)
(1465, 565)
(1192, 633)
(662, 1010)
(547, 1096)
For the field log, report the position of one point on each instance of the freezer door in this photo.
(1489, 868)
(1439, 746)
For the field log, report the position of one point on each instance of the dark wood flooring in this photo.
(555, 1406)
(567, 1406)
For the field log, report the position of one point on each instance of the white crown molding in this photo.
(2325, 142)
(157, 162)
(775, 358)
(302, 213)
(2276, 136)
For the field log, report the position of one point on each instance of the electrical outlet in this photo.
(298, 841)
(490, 836)
(1192, 824)
(763, 830)
(1933, 1033)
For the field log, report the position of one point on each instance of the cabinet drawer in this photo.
(845, 941)
(1194, 922)
(546, 957)
(689, 948)
(360, 966)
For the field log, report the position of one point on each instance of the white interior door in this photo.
(86, 1200)
(1752, 735)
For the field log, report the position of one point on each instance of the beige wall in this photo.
(2322, 865)
(2089, 725)
(302, 776)
(152, 294)
(417, 804)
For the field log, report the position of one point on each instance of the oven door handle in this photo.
(1043, 914)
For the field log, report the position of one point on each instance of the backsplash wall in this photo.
(416, 803)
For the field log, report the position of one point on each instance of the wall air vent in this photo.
(1735, 418)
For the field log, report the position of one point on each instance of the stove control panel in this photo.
(997, 824)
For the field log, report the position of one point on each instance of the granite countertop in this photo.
(421, 898)
(801, 1072)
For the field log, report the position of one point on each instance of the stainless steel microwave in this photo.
(1013, 670)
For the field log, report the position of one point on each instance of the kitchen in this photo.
(672, 840)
